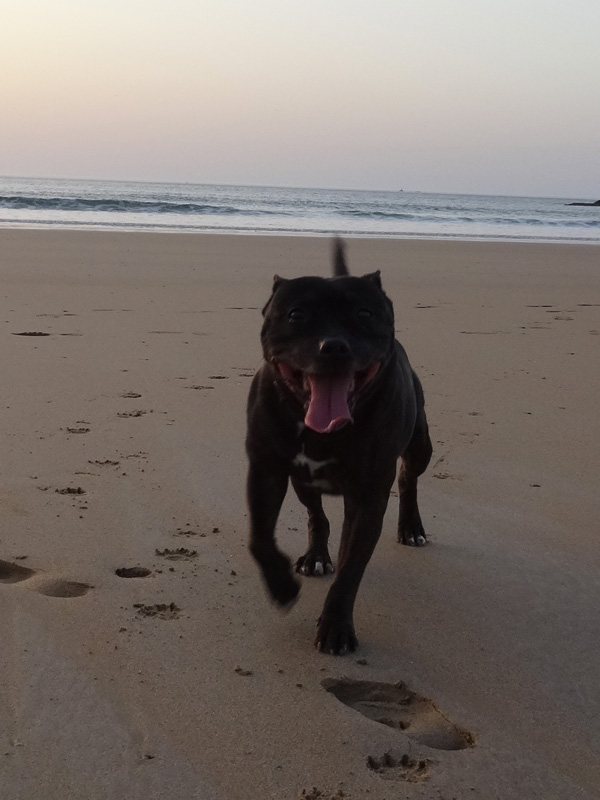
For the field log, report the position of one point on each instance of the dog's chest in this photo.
(316, 470)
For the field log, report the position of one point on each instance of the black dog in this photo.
(333, 407)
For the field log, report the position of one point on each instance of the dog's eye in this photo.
(296, 315)
(364, 313)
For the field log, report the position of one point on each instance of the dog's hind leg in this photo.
(414, 462)
(316, 560)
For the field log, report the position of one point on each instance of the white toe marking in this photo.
(329, 569)
(318, 568)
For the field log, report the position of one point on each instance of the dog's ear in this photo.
(339, 258)
(277, 284)
(374, 277)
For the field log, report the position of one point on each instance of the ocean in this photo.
(115, 205)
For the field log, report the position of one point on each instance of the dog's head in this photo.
(328, 338)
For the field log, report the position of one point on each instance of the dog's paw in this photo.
(315, 563)
(412, 533)
(284, 590)
(414, 540)
(335, 637)
(277, 574)
(282, 586)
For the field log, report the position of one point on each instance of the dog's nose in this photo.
(334, 348)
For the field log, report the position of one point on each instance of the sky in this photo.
(476, 96)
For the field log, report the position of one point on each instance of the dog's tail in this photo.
(339, 258)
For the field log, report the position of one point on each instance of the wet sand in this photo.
(122, 431)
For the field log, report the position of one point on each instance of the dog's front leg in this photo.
(360, 533)
(266, 489)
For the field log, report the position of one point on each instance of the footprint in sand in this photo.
(40, 583)
(177, 554)
(58, 316)
(485, 333)
(60, 588)
(444, 476)
(398, 707)
(14, 573)
(403, 768)
(160, 610)
(133, 572)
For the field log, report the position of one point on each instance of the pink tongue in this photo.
(328, 407)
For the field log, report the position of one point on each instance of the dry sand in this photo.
(187, 683)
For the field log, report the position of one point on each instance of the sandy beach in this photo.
(123, 428)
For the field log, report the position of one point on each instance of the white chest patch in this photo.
(313, 466)
(302, 460)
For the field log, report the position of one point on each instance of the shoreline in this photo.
(183, 682)
(296, 234)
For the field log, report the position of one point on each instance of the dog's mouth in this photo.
(328, 398)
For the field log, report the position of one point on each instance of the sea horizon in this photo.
(403, 190)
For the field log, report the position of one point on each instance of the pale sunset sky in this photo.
(489, 96)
